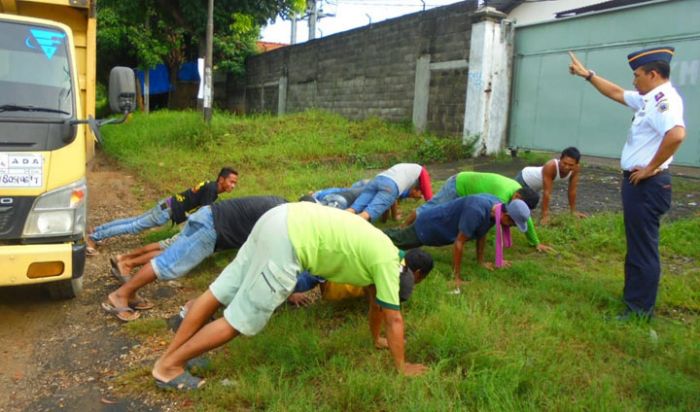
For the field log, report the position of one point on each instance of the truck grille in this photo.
(13, 214)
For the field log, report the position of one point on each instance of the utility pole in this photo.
(293, 37)
(313, 17)
(208, 86)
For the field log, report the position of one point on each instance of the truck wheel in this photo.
(65, 289)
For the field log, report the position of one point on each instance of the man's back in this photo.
(471, 215)
(474, 183)
(235, 218)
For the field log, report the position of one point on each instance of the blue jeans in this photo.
(196, 242)
(377, 197)
(334, 200)
(519, 179)
(447, 193)
(306, 281)
(157, 216)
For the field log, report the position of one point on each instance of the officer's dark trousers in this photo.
(643, 205)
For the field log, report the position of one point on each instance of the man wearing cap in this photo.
(473, 183)
(458, 221)
(656, 133)
(288, 239)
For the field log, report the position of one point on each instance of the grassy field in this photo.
(536, 336)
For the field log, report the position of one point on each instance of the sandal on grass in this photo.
(201, 363)
(118, 275)
(125, 314)
(183, 382)
(140, 303)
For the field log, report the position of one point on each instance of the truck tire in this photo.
(65, 289)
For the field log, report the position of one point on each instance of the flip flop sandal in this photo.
(201, 363)
(120, 312)
(113, 262)
(141, 304)
(183, 382)
(91, 251)
(117, 275)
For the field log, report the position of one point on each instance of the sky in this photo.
(349, 14)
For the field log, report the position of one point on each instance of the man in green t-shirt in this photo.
(328, 242)
(474, 183)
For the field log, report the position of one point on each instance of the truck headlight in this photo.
(60, 212)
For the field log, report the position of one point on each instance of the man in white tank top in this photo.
(543, 177)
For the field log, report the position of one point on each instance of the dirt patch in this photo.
(66, 355)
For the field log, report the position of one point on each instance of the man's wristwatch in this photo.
(591, 73)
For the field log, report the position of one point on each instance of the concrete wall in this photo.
(371, 71)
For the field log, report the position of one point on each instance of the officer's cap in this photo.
(642, 57)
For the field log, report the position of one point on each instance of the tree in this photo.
(171, 32)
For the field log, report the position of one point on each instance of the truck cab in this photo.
(47, 134)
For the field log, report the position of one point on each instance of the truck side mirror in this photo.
(122, 90)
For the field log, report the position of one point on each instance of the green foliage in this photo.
(535, 336)
(307, 148)
(150, 32)
(441, 149)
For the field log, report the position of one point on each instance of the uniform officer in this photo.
(656, 133)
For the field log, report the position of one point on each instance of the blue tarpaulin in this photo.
(159, 81)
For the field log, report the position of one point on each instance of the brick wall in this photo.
(370, 71)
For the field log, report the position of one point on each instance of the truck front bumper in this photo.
(31, 264)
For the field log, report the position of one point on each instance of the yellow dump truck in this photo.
(47, 135)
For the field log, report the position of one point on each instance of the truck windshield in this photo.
(35, 78)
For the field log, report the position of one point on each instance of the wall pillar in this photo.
(488, 85)
(421, 93)
(282, 96)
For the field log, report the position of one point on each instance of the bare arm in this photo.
(605, 87)
(457, 250)
(549, 172)
(394, 333)
(573, 185)
(410, 219)
(672, 140)
(375, 316)
(480, 245)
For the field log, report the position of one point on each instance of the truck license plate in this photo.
(21, 169)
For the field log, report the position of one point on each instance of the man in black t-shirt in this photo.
(173, 208)
(223, 225)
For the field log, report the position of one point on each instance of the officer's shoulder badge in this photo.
(659, 96)
(662, 106)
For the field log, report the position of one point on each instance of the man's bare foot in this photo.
(164, 373)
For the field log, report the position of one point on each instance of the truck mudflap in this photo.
(33, 264)
(79, 259)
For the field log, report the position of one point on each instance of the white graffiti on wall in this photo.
(686, 72)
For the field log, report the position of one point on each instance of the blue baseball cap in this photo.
(642, 57)
(519, 212)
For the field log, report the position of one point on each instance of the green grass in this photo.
(535, 336)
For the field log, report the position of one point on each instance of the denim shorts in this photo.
(261, 277)
(194, 244)
(377, 197)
